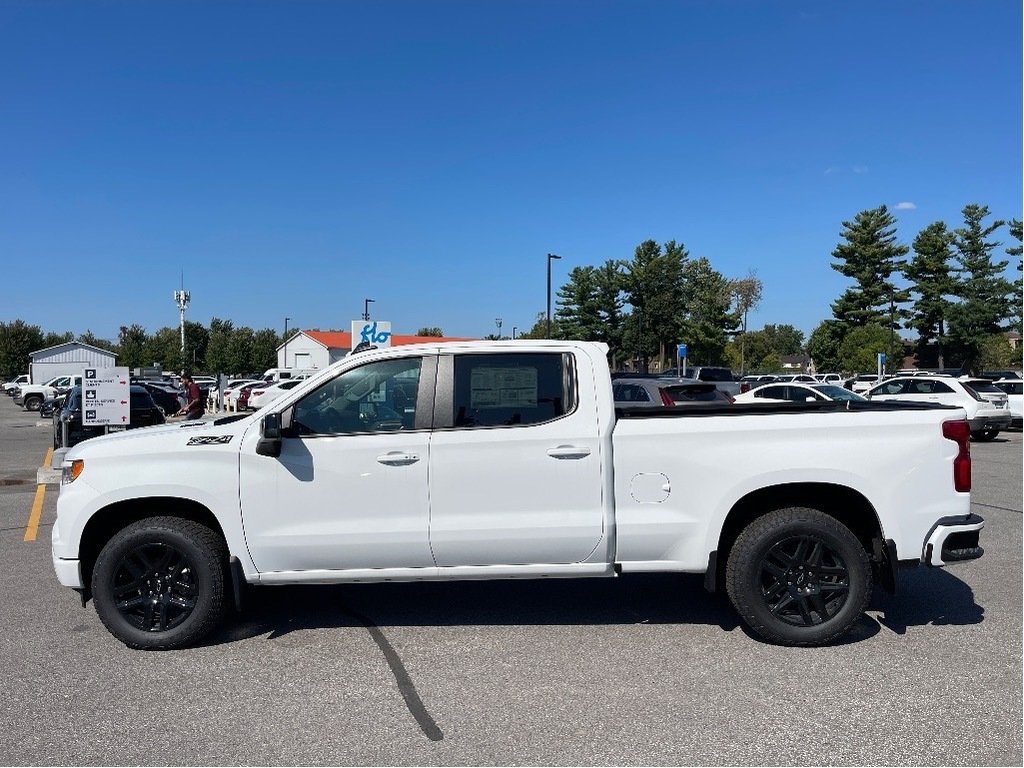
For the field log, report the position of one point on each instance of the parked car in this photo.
(862, 383)
(656, 393)
(143, 413)
(722, 377)
(31, 396)
(797, 392)
(999, 375)
(167, 398)
(230, 387)
(829, 378)
(11, 386)
(268, 393)
(243, 393)
(1014, 389)
(804, 377)
(50, 405)
(756, 380)
(234, 389)
(987, 413)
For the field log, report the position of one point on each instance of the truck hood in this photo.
(225, 433)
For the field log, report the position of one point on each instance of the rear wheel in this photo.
(985, 435)
(798, 576)
(159, 583)
(33, 403)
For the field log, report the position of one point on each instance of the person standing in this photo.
(193, 408)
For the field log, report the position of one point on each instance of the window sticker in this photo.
(503, 388)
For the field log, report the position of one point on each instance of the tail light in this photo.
(960, 433)
(665, 399)
(744, 387)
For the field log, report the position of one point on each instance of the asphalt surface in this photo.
(641, 670)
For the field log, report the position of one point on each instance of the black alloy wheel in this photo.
(803, 581)
(155, 587)
(798, 576)
(159, 583)
(985, 435)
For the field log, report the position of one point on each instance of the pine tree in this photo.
(930, 279)
(870, 256)
(984, 293)
(1016, 308)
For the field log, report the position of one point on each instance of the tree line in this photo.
(953, 295)
(220, 348)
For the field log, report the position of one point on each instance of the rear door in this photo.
(515, 461)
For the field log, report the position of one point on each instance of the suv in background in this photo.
(862, 383)
(723, 378)
(1014, 389)
(987, 412)
(10, 387)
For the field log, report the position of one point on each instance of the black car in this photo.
(167, 397)
(143, 413)
(51, 405)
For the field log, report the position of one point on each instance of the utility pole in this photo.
(286, 341)
(551, 257)
(497, 322)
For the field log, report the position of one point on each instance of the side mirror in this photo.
(270, 436)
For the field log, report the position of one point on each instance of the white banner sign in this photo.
(106, 397)
(376, 332)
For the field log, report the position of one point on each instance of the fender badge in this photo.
(209, 440)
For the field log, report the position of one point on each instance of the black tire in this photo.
(159, 583)
(797, 576)
(33, 403)
(985, 435)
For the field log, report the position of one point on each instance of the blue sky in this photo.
(295, 158)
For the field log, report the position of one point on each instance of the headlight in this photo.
(70, 472)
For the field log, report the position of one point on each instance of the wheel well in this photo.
(844, 504)
(109, 520)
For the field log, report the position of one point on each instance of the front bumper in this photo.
(952, 540)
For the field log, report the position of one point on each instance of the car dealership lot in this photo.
(638, 670)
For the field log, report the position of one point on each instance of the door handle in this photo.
(398, 458)
(569, 452)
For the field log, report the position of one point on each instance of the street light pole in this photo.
(366, 309)
(497, 322)
(514, 329)
(286, 341)
(550, 257)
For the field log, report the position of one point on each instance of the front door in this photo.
(349, 490)
(515, 463)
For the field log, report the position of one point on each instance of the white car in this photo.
(261, 396)
(862, 383)
(232, 388)
(796, 392)
(804, 377)
(987, 411)
(829, 378)
(1014, 389)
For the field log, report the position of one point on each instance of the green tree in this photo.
(984, 292)
(218, 356)
(17, 340)
(90, 338)
(430, 330)
(52, 339)
(239, 352)
(131, 347)
(997, 354)
(929, 275)
(859, 349)
(824, 346)
(708, 318)
(163, 348)
(1016, 308)
(870, 256)
(590, 304)
(653, 287)
(264, 351)
(746, 292)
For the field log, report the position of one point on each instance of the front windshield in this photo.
(838, 393)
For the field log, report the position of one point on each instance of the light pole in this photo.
(497, 322)
(550, 257)
(286, 341)
(366, 309)
(514, 329)
(182, 298)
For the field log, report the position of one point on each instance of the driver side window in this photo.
(376, 397)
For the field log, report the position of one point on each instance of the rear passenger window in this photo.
(512, 389)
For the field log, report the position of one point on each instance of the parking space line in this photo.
(32, 528)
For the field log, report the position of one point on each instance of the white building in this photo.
(67, 359)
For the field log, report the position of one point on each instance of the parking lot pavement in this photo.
(644, 670)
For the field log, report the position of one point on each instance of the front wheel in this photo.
(985, 435)
(33, 403)
(798, 576)
(159, 583)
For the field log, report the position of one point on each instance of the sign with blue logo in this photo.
(376, 332)
(681, 350)
(881, 358)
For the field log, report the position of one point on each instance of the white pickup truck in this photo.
(31, 396)
(502, 460)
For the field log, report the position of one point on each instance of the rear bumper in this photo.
(990, 421)
(952, 540)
